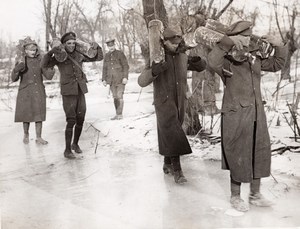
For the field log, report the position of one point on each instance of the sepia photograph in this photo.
(149, 114)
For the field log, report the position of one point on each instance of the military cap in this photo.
(28, 41)
(240, 27)
(68, 36)
(110, 41)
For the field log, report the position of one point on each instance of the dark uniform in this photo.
(73, 87)
(115, 69)
(170, 87)
(246, 148)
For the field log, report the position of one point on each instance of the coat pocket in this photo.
(245, 103)
(229, 108)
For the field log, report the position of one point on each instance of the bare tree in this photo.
(291, 38)
(57, 18)
(91, 22)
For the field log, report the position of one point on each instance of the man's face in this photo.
(70, 45)
(173, 42)
(31, 50)
(111, 47)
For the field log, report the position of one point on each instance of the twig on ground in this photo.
(145, 116)
(97, 143)
(282, 149)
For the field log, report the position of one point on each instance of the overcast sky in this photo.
(19, 18)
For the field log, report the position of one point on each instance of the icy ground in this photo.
(118, 181)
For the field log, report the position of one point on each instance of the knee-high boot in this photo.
(68, 139)
(77, 133)
(178, 174)
(120, 107)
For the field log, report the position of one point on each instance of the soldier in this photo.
(31, 98)
(170, 93)
(115, 74)
(73, 87)
(245, 139)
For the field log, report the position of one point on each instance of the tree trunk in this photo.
(155, 9)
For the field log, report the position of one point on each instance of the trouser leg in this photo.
(235, 187)
(255, 186)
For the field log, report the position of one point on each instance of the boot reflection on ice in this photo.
(26, 139)
(259, 200)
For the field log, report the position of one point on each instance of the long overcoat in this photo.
(170, 89)
(245, 139)
(31, 98)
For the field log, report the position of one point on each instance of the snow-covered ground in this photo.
(118, 182)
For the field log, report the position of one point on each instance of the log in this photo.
(86, 49)
(157, 53)
(61, 55)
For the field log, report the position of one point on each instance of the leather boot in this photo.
(77, 133)
(120, 107)
(168, 169)
(178, 174)
(76, 148)
(38, 129)
(68, 138)
(68, 154)
(179, 177)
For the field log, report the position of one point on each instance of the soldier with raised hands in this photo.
(73, 84)
(169, 79)
(246, 149)
(31, 98)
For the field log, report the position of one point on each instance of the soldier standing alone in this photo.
(115, 74)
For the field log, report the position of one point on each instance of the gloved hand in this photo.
(273, 40)
(158, 68)
(20, 66)
(94, 45)
(124, 81)
(240, 41)
(55, 49)
(194, 59)
(104, 83)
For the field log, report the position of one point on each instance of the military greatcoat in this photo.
(245, 139)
